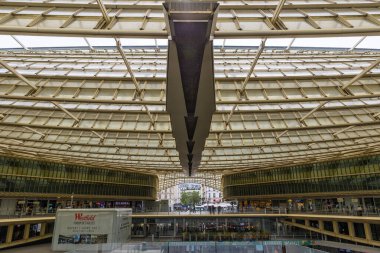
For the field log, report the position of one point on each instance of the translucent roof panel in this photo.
(7, 41)
(49, 41)
(274, 107)
(370, 42)
(74, 42)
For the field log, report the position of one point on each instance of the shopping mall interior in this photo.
(190, 126)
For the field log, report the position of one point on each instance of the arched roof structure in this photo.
(295, 82)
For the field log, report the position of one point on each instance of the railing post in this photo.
(43, 229)
(368, 231)
(335, 227)
(321, 225)
(351, 228)
(9, 233)
(26, 231)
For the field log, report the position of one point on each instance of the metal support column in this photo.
(368, 231)
(9, 237)
(351, 228)
(26, 232)
(43, 229)
(335, 227)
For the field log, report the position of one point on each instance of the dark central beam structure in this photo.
(190, 76)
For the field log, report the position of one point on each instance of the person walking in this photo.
(359, 211)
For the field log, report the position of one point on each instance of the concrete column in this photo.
(43, 229)
(368, 231)
(335, 227)
(351, 228)
(26, 231)
(321, 225)
(9, 233)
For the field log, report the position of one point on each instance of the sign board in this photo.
(91, 229)
(340, 200)
(190, 187)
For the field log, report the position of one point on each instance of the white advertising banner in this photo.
(81, 228)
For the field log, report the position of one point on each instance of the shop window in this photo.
(328, 226)
(34, 230)
(359, 230)
(343, 228)
(375, 228)
(18, 232)
(3, 233)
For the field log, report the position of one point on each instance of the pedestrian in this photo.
(359, 211)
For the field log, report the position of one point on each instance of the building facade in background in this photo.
(208, 194)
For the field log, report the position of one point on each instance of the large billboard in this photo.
(91, 228)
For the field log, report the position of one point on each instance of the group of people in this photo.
(213, 209)
(358, 210)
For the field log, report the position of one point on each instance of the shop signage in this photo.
(89, 229)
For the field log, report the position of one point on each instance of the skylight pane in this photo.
(50, 41)
(142, 42)
(330, 42)
(6, 41)
(102, 42)
(278, 42)
(370, 42)
(243, 42)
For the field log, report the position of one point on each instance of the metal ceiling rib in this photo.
(108, 107)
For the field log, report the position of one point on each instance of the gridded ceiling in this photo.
(105, 106)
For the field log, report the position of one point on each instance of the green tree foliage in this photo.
(190, 198)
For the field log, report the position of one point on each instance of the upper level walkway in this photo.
(310, 216)
(204, 214)
(223, 226)
(277, 211)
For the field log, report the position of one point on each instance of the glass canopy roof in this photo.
(41, 42)
(300, 89)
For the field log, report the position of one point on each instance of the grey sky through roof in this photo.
(53, 42)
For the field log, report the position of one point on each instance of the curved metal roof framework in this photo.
(106, 106)
(209, 179)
